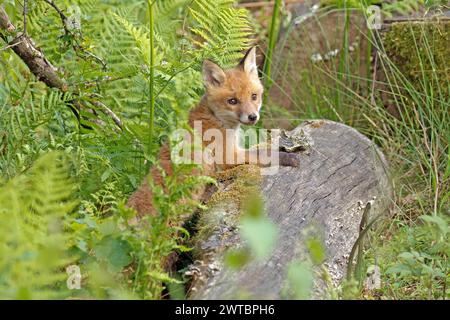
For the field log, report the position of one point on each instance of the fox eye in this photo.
(254, 97)
(232, 101)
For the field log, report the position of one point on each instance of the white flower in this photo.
(316, 57)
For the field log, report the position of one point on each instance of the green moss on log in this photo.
(238, 182)
(225, 206)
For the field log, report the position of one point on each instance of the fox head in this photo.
(234, 95)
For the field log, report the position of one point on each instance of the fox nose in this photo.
(252, 117)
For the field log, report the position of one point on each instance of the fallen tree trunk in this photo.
(342, 172)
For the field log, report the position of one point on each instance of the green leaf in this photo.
(107, 227)
(260, 234)
(164, 277)
(182, 248)
(176, 290)
(316, 249)
(300, 279)
(106, 175)
(115, 251)
(236, 258)
(399, 268)
(438, 221)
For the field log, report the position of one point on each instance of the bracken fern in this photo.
(223, 32)
(32, 238)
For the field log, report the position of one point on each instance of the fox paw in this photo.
(289, 159)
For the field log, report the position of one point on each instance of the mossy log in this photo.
(342, 172)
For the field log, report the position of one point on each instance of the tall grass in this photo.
(272, 42)
(408, 117)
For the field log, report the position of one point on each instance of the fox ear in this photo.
(248, 63)
(213, 75)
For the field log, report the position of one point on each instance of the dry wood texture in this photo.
(324, 197)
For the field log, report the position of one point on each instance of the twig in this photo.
(34, 58)
(77, 46)
(108, 112)
(10, 46)
(372, 94)
(61, 14)
(106, 79)
(414, 19)
(25, 13)
(388, 22)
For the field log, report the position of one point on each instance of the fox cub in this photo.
(233, 97)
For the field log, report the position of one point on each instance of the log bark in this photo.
(326, 196)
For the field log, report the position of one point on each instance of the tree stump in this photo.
(341, 173)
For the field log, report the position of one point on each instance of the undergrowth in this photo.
(66, 174)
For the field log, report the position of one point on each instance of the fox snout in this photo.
(249, 119)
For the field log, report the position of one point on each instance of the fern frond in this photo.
(221, 31)
(33, 241)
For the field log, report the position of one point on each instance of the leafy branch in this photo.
(43, 69)
(77, 47)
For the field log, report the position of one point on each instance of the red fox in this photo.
(233, 97)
